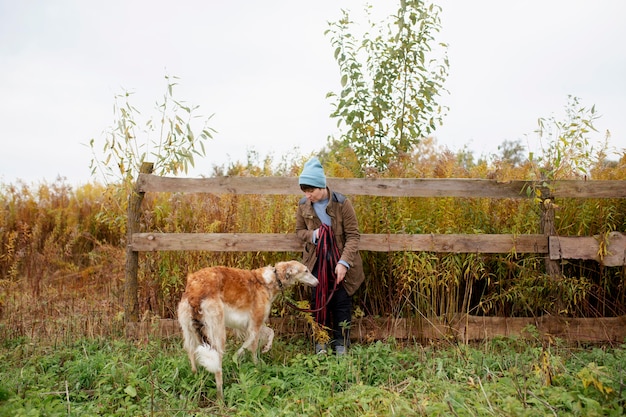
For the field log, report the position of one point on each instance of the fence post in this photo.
(131, 299)
(548, 229)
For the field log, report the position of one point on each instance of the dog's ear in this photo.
(282, 271)
(286, 270)
(290, 271)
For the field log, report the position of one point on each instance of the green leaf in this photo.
(130, 391)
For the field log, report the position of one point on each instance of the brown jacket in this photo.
(346, 230)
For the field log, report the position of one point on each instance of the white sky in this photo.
(264, 68)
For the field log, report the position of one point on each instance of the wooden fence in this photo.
(554, 247)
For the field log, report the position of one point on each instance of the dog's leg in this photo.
(191, 338)
(251, 343)
(266, 334)
(219, 385)
(254, 330)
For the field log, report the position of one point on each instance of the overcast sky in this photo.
(264, 68)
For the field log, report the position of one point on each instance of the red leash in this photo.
(327, 258)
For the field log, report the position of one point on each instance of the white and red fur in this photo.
(217, 298)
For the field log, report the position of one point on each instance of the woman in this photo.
(327, 224)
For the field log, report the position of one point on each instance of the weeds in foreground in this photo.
(496, 378)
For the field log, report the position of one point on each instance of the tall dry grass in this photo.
(62, 248)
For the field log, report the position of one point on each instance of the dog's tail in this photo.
(208, 357)
(209, 353)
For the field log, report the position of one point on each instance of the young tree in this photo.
(391, 82)
(169, 140)
(566, 150)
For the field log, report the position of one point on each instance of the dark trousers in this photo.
(338, 315)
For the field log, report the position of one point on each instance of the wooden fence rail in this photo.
(387, 187)
(610, 250)
(289, 242)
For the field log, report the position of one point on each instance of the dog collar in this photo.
(280, 283)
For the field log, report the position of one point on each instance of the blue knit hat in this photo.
(313, 174)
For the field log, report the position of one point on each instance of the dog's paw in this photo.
(267, 336)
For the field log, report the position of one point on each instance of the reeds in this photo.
(62, 249)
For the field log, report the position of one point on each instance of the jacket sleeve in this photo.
(352, 236)
(302, 231)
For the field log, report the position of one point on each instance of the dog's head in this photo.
(293, 272)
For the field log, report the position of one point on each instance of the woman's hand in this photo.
(340, 271)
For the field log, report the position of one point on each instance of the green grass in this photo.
(502, 377)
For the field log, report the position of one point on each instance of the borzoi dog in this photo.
(219, 297)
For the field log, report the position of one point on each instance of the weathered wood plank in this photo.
(605, 329)
(387, 187)
(588, 248)
(288, 242)
(430, 187)
(220, 185)
(455, 243)
(217, 242)
(463, 328)
(133, 218)
(589, 189)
